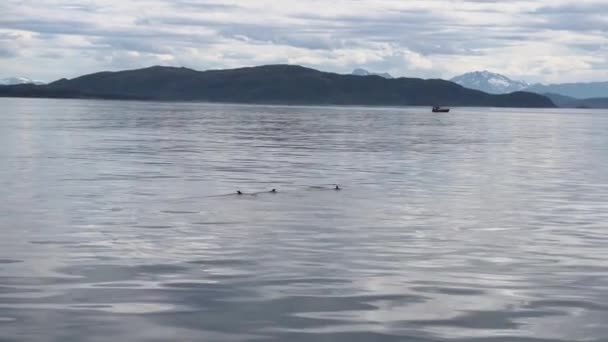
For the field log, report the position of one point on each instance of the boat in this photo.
(441, 110)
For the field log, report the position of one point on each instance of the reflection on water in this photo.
(120, 221)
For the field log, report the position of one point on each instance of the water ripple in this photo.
(121, 222)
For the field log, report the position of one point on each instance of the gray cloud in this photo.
(49, 26)
(202, 5)
(573, 22)
(589, 46)
(420, 30)
(131, 44)
(50, 55)
(294, 35)
(8, 49)
(573, 17)
(573, 8)
(7, 52)
(79, 6)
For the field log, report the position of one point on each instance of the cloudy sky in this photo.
(535, 40)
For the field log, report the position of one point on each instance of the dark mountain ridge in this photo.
(270, 84)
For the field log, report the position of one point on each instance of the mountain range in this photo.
(18, 80)
(363, 72)
(489, 82)
(270, 84)
(591, 95)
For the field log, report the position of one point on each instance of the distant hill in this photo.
(499, 84)
(571, 102)
(271, 84)
(18, 80)
(489, 82)
(363, 72)
(576, 90)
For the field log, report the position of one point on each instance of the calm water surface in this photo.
(118, 223)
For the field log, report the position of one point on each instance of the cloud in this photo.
(8, 48)
(536, 39)
(7, 52)
(584, 8)
(45, 26)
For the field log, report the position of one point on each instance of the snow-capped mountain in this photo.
(18, 80)
(363, 72)
(489, 82)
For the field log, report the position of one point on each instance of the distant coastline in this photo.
(271, 84)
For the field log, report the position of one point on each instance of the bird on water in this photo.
(337, 187)
(239, 192)
(274, 191)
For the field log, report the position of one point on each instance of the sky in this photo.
(546, 41)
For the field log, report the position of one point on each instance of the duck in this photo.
(239, 192)
(274, 191)
(337, 188)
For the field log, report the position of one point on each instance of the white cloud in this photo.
(541, 40)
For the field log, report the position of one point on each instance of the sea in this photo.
(120, 221)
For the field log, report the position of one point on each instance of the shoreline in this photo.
(268, 103)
